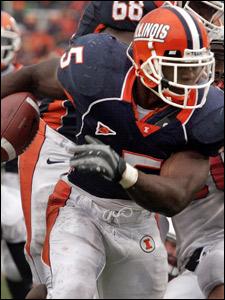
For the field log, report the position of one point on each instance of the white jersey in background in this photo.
(202, 222)
(200, 240)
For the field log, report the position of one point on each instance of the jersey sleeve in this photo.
(205, 130)
(93, 68)
(90, 19)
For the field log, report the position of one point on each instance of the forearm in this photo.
(40, 80)
(160, 194)
(181, 176)
(20, 81)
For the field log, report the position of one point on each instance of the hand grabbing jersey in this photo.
(100, 159)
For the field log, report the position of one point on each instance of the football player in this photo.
(59, 115)
(217, 47)
(91, 217)
(211, 13)
(38, 178)
(200, 240)
(118, 18)
(122, 17)
(15, 267)
(54, 138)
(200, 228)
(191, 248)
(34, 188)
(170, 244)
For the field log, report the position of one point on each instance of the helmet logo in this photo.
(151, 30)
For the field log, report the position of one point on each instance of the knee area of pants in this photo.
(77, 290)
(12, 274)
(10, 270)
(210, 271)
(212, 264)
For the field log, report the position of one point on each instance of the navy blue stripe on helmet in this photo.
(185, 25)
(199, 31)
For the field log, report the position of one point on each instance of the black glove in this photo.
(98, 158)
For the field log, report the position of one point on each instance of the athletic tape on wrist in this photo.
(129, 177)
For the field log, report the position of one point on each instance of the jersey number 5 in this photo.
(76, 52)
(132, 10)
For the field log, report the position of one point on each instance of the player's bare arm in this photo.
(40, 80)
(182, 175)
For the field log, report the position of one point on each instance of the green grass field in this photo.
(4, 290)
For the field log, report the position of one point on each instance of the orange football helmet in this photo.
(172, 57)
(10, 39)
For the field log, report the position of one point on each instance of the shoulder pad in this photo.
(103, 56)
(206, 126)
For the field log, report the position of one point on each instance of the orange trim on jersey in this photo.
(56, 111)
(147, 129)
(99, 28)
(185, 114)
(17, 66)
(203, 193)
(126, 94)
(128, 84)
(217, 171)
(57, 200)
(160, 3)
(27, 164)
(69, 97)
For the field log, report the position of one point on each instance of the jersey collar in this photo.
(146, 129)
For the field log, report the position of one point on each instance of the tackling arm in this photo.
(182, 176)
(40, 80)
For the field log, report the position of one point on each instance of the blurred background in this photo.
(46, 26)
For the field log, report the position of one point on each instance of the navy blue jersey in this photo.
(121, 15)
(100, 79)
(206, 127)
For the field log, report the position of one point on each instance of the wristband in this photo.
(129, 177)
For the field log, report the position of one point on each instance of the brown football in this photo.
(19, 124)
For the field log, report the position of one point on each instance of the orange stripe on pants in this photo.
(27, 164)
(57, 200)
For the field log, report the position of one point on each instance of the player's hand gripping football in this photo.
(100, 159)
